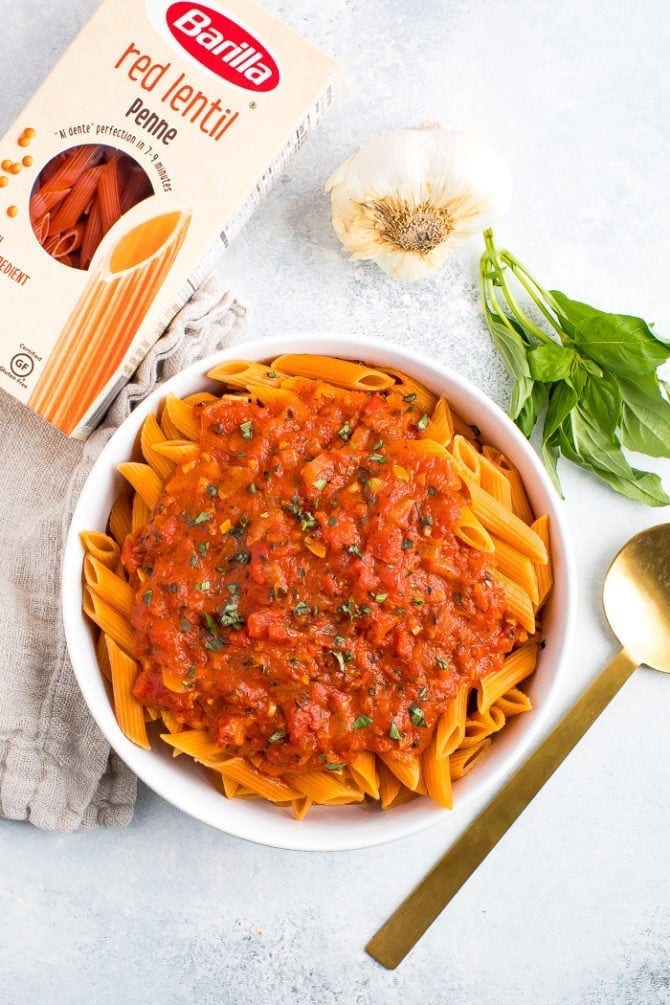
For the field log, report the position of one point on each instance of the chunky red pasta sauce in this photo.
(303, 594)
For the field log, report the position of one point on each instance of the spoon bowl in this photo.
(636, 597)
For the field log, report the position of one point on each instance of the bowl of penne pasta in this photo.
(317, 592)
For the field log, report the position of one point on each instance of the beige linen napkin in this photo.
(56, 768)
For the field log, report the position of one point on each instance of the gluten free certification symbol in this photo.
(21, 364)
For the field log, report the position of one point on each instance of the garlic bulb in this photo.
(407, 199)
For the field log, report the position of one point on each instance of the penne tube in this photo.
(506, 525)
(408, 771)
(273, 789)
(150, 436)
(437, 776)
(144, 480)
(471, 530)
(108, 619)
(196, 742)
(168, 427)
(441, 422)
(101, 546)
(413, 392)
(495, 482)
(517, 666)
(243, 374)
(300, 807)
(363, 770)
(140, 513)
(108, 586)
(513, 702)
(340, 372)
(518, 568)
(462, 427)
(103, 656)
(480, 725)
(543, 573)
(177, 451)
(325, 788)
(467, 457)
(129, 712)
(450, 729)
(464, 760)
(519, 604)
(183, 416)
(520, 503)
(389, 785)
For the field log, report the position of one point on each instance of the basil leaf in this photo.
(583, 441)
(624, 345)
(548, 363)
(645, 416)
(572, 312)
(562, 399)
(529, 413)
(522, 392)
(361, 722)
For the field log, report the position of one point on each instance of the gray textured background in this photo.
(574, 906)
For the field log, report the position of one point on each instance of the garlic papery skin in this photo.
(408, 198)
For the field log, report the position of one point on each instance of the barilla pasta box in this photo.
(140, 157)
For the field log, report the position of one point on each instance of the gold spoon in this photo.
(636, 597)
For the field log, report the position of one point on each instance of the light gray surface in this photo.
(574, 905)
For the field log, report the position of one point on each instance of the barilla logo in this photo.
(224, 47)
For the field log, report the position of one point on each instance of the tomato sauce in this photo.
(301, 592)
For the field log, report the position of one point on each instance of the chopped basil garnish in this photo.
(230, 616)
(280, 734)
(184, 625)
(442, 663)
(320, 484)
(200, 518)
(212, 490)
(252, 488)
(210, 622)
(146, 596)
(416, 715)
(379, 458)
(334, 766)
(215, 642)
(203, 547)
(204, 586)
(242, 557)
(407, 544)
(423, 692)
(361, 722)
(423, 422)
(300, 609)
(193, 561)
(353, 549)
(409, 397)
(418, 601)
(394, 732)
(381, 597)
(332, 521)
(432, 491)
(247, 429)
(345, 432)
(272, 374)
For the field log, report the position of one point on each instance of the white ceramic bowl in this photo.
(185, 784)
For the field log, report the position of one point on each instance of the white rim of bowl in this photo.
(297, 836)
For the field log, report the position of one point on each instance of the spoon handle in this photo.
(408, 923)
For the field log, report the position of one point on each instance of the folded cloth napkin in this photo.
(56, 768)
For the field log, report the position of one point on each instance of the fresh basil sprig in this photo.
(593, 374)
